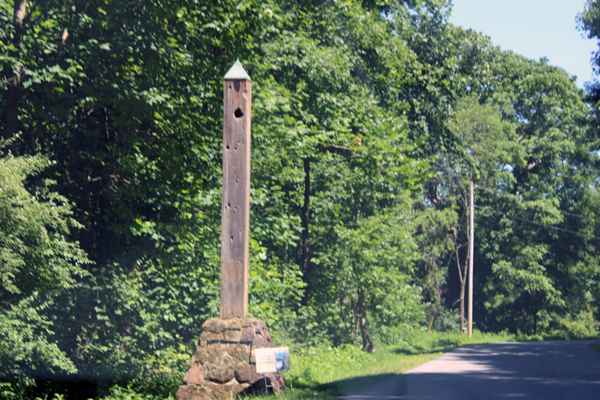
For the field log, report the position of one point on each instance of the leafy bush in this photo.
(38, 262)
(581, 326)
(529, 338)
(447, 320)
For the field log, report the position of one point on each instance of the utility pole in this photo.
(471, 251)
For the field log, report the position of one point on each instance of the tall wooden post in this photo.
(211, 375)
(471, 251)
(235, 219)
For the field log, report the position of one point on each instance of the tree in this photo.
(588, 21)
(544, 169)
(487, 142)
(332, 147)
(436, 234)
(38, 263)
(125, 96)
(524, 130)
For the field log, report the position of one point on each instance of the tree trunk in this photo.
(462, 276)
(362, 309)
(305, 261)
(462, 304)
(535, 312)
(13, 76)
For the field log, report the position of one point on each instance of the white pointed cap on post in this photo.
(237, 72)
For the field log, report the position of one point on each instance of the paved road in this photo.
(535, 370)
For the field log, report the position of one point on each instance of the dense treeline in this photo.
(369, 121)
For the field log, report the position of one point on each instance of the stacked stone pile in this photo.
(225, 361)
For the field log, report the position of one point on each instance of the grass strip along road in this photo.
(325, 373)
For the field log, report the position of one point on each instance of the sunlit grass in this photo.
(325, 373)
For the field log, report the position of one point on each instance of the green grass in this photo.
(325, 373)
(595, 346)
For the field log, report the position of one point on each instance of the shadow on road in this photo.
(539, 370)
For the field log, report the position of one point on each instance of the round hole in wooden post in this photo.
(238, 113)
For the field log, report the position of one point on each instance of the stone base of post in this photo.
(225, 361)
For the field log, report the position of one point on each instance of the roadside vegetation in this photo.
(321, 371)
(370, 119)
(325, 372)
(343, 369)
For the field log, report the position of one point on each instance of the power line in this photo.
(495, 193)
(538, 223)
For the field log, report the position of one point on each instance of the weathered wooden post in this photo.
(225, 360)
(235, 217)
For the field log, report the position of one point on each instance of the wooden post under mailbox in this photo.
(235, 219)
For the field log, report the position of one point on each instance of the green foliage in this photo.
(447, 320)
(128, 104)
(583, 325)
(529, 149)
(436, 237)
(313, 99)
(36, 254)
(15, 389)
(589, 22)
(126, 97)
(369, 120)
(544, 174)
(38, 263)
